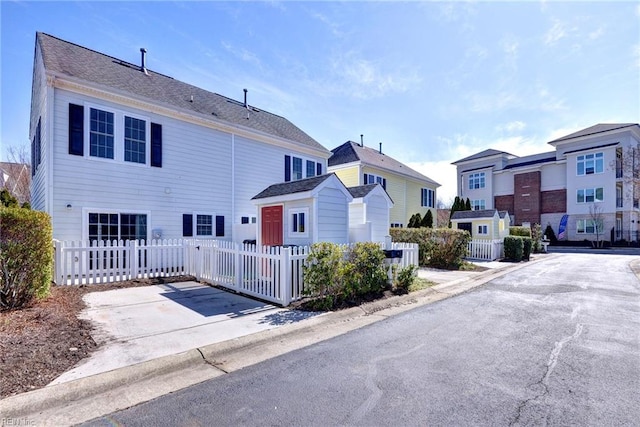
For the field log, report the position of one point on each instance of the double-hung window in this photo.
(478, 205)
(476, 180)
(427, 199)
(296, 168)
(483, 229)
(204, 225)
(590, 195)
(101, 134)
(588, 226)
(135, 140)
(588, 164)
(299, 220)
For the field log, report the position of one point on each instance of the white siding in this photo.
(378, 216)
(333, 216)
(195, 176)
(39, 94)
(297, 205)
(258, 166)
(502, 183)
(553, 177)
(357, 213)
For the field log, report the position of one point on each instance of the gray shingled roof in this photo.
(69, 59)
(292, 187)
(352, 152)
(361, 190)
(595, 129)
(480, 155)
(485, 213)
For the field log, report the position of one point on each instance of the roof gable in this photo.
(351, 152)
(594, 130)
(71, 60)
(300, 189)
(366, 191)
(484, 213)
(486, 153)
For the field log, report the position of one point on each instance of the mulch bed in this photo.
(40, 342)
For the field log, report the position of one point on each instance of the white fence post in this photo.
(133, 258)
(285, 276)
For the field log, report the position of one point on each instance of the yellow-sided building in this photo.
(411, 192)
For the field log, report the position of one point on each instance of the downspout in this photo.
(233, 185)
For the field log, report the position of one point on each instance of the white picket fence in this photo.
(274, 274)
(485, 250)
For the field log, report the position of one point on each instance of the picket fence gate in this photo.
(485, 250)
(271, 273)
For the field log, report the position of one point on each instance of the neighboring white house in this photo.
(303, 212)
(596, 169)
(369, 213)
(124, 152)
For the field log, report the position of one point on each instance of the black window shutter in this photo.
(38, 144)
(76, 130)
(287, 168)
(384, 183)
(33, 156)
(156, 145)
(219, 226)
(318, 168)
(365, 179)
(187, 225)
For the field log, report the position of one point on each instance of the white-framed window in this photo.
(588, 226)
(483, 229)
(204, 225)
(476, 180)
(299, 222)
(104, 225)
(370, 178)
(590, 195)
(248, 219)
(101, 133)
(427, 198)
(117, 135)
(587, 164)
(299, 168)
(478, 205)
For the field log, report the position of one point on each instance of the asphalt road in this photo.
(554, 343)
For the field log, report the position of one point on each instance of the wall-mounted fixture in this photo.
(69, 206)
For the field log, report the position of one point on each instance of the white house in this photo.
(369, 213)
(125, 152)
(590, 181)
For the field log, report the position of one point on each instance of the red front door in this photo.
(272, 225)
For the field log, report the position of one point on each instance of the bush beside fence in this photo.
(439, 247)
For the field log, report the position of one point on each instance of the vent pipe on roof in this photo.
(361, 140)
(381, 148)
(143, 66)
(245, 98)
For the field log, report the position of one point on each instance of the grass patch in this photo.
(419, 284)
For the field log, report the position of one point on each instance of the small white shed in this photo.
(304, 212)
(369, 213)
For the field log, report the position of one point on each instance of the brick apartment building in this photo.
(596, 169)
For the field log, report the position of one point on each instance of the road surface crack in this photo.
(544, 381)
(208, 362)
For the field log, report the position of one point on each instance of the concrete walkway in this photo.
(135, 325)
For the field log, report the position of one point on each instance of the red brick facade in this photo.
(504, 203)
(526, 197)
(554, 201)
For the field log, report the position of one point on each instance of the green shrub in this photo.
(404, 278)
(513, 248)
(536, 236)
(550, 234)
(322, 270)
(368, 272)
(438, 247)
(527, 246)
(26, 256)
(520, 231)
(427, 221)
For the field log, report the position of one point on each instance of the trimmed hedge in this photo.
(26, 256)
(514, 248)
(527, 248)
(438, 247)
(520, 231)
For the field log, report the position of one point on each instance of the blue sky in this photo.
(433, 81)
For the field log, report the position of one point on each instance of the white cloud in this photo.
(443, 172)
(333, 26)
(597, 33)
(555, 33)
(361, 78)
(515, 126)
(243, 54)
(636, 55)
